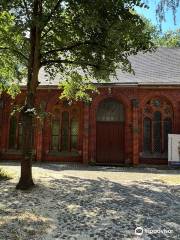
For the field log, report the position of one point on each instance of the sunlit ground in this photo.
(77, 202)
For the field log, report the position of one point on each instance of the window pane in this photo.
(74, 134)
(55, 134)
(65, 132)
(147, 135)
(74, 142)
(64, 144)
(110, 111)
(156, 102)
(12, 132)
(167, 130)
(55, 142)
(55, 127)
(65, 128)
(157, 132)
(74, 127)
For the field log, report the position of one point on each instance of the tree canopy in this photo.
(169, 39)
(76, 38)
(89, 37)
(12, 67)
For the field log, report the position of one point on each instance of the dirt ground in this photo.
(90, 202)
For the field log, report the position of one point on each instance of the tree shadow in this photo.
(19, 218)
(99, 209)
(155, 169)
(81, 167)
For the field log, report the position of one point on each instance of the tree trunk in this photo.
(26, 180)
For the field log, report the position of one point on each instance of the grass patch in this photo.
(4, 175)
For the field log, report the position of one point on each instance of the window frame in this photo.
(71, 115)
(148, 111)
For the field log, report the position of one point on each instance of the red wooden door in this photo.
(110, 142)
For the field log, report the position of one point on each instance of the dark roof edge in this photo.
(130, 84)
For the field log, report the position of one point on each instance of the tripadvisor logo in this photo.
(139, 231)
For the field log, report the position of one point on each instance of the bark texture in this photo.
(26, 180)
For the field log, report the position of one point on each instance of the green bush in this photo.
(4, 175)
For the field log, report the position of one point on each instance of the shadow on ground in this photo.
(75, 208)
(155, 169)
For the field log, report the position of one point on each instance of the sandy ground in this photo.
(77, 202)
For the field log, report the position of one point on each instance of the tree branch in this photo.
(78, 44)
(14, 50)
(52, 61)
(26, 9)
(50, 16)
(47, 32)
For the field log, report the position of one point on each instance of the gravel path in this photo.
(74, 202)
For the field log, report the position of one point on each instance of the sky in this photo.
(151, 14)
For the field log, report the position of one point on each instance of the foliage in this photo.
(75, 34)
(152, 29)
(169, 39)
(88, 37)
(161, 8)
(11, 68)
(166, 39)
(77, 87)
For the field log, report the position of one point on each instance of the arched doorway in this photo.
(110, 132)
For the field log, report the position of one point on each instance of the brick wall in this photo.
(133, 100)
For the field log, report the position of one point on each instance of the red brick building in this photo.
(127, 122)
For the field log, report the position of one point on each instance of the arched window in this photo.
(65, 130)
(157, 124)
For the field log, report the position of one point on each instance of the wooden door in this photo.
(110, 142)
